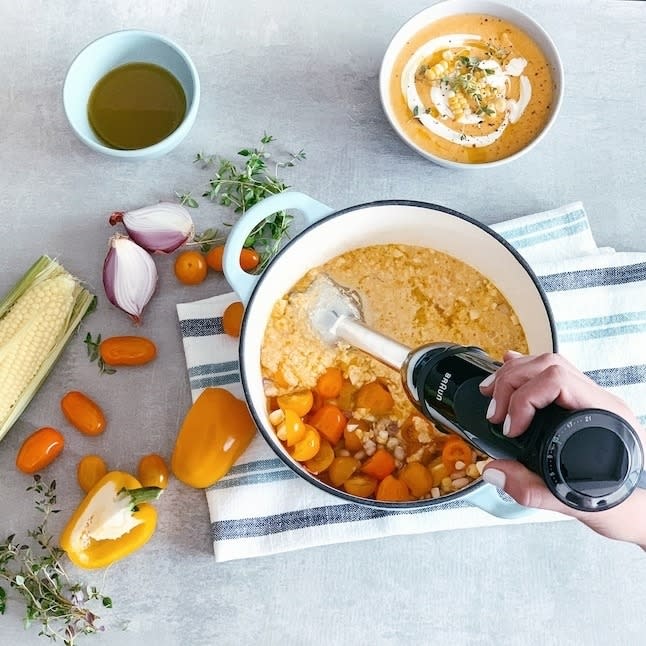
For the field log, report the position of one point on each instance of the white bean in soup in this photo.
(472, 89)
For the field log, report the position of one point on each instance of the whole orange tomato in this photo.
(127, 350)
(83, 413)
(90, 469)
(39, 449)
(190, 267)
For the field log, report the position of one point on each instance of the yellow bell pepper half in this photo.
(214, 434)
(112, 521)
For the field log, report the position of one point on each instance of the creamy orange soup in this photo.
(472, 89)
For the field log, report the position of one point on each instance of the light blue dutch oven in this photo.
(329, 233)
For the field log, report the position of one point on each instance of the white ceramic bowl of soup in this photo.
(522, 61)
(330, 233)
(112, 51)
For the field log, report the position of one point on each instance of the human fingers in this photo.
(626, 522)
(534, 382)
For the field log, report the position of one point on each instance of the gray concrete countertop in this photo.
(306, 72)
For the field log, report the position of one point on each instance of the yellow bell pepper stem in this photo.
(113, 520)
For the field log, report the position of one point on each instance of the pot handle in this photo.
(498, 503)
(242, 282)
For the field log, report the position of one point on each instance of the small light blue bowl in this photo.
(120, 48)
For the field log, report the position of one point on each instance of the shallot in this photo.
(161, 227)
(129, 276)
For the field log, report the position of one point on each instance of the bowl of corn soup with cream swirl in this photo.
(471, 84)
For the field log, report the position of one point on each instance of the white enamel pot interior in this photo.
(332, 233)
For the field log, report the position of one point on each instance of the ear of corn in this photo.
(37, 318)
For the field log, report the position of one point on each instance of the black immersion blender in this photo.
(590, 459)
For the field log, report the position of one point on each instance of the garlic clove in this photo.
(161, 227)
(129, 276)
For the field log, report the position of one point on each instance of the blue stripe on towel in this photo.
(315, 517)
(257, 465)
(563, 219)
(624, 376)
(201, 327)
(601, 333)
(603, 276)
(547, 236)
(601, 321)
(213, 368)
(215, 380)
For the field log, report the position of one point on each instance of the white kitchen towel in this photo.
(599, 301)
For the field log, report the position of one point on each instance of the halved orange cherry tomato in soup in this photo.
(418, 478)
(295, 428)
(308, 447)
(322, 460)
(375, 397)
(341, 469)
(360, 485)
(83, 413)
(39, 449)
(300, 402)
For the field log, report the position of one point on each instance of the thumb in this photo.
(524, 486)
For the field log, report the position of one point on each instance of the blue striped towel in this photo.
(599, 302)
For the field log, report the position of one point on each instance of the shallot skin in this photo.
(129, 276)
(158, 228)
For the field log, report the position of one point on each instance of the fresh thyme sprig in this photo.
(94, 354)
(241, 185)
(34, 570)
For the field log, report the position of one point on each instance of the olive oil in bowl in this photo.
(136, 105)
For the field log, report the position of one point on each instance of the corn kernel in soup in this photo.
(472, 89)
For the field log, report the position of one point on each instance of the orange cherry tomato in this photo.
(329, 421)
(308, 447)
(360, 485)
(232, 319)
(152, 471)
(350, 437)
(455, 449)
(190, 267)
(379, 465)
(300, 402)
(249, 258)
(418, 478)
(127, 350)
(90, 469)
(393, 490)
(322, 460)
(329, 384)
(214, 257)
(342, 468)
(38, 450)
(375, 397)
(295, 428)
(82, 413)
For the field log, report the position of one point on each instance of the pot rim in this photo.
(302, 472)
